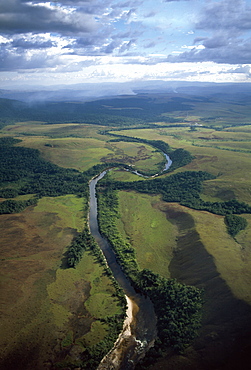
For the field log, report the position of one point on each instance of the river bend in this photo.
(139, 330)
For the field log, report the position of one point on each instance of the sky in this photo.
(83, 41)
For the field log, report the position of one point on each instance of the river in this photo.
(139, 330)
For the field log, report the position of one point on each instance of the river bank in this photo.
(115, 358)
(139, 331)
(137, 335)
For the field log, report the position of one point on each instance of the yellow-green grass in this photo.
(69, 209)
(244, 128)
(35, 128)
(101, 305)
(22, 197)
(41, 303)
(150, 164)
(142, 157)
(234, 145)
(122, 175)
(82, 153)
(148, 230)
(192, 118)
(77, 130)
(232, 171)
(232, 258)
(202, 136)
(184, 137)
(143, 222)
(150, 134)
(97, 333)
(159, 134)
(32, 246)
(206, 136)
(222, 113)
(63, 292)
(231, 168)
(78, 153)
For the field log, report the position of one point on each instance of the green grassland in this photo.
(228, 252)
(231, 167)
(141, 156)
(153, 235)
(83, 153)
(59, 130)
(148, 230)
(78, 153)
(41, 303)
(69, 209)
(118, 175)
(55, 313)
(33, 243)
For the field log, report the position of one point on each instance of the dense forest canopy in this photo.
(108, 112)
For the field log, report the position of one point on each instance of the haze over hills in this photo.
(89, 91)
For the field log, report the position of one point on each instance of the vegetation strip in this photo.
(184, 188)
(178, 324)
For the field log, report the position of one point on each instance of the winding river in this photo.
(139, 330)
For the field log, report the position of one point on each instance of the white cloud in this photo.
(111, 39)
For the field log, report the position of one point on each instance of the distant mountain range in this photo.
(91, 91)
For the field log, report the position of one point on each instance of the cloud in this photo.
(235, 54)
(241, 69)
(76, 35)
(17, 61)
(35, 43)
(227, 15)
(23, 17)
(229, 24)
(83, 28)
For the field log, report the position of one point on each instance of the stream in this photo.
(139, 331)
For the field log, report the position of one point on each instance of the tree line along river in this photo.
(140, 327)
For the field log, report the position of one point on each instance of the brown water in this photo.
(141, 331)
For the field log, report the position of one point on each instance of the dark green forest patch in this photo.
(184, 188)
(235, 224)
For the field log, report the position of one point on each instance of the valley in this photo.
(70, 317)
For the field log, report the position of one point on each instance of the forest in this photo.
(24, 171)
(98, 112)
(235, 224)
(183, 187)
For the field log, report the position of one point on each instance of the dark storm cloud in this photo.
(23, 17)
